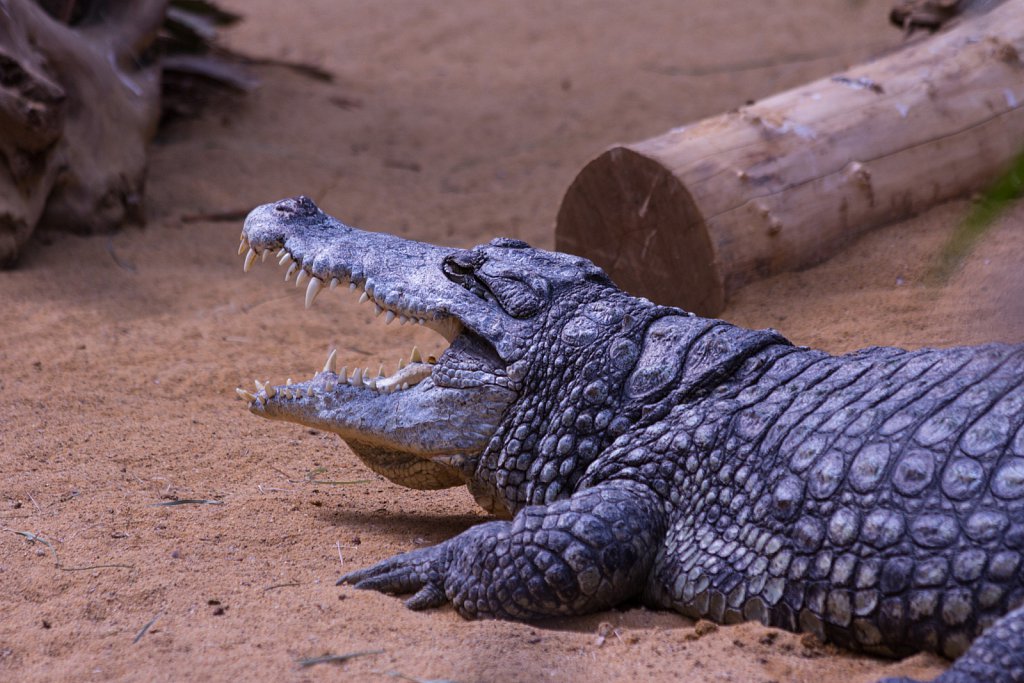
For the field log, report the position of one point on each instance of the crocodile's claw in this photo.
(421, 572)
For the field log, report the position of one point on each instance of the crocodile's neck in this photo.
(614, 363)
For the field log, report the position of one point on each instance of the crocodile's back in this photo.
(876, 499)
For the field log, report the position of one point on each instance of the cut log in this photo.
(688, 217)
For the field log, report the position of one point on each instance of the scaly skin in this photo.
(875, 499)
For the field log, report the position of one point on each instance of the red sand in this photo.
(451, 122)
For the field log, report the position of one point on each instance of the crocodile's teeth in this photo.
(291, 269)
(332, 362)
(343, 375)
(370, 285)
(312, 290)
(352, 286)
(334, 283)
(364, 298)
(357, 377)
(285, 259)
(259, 385)
(242, 246)
(380, 371)
(401, 363)
(309, 391)
(402, 320)
(301, 278)
(245, 395)
(250, 256)
(389, 317)
(289, 382)
(264, 255)
(415, 357)
(329, 385)
(271, 391)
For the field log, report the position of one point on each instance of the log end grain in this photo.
(633, 218)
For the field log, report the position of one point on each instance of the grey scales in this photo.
(639, 452)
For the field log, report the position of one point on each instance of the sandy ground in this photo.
(451, 122)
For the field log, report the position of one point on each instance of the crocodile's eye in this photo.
(460, 268)
(520, 295)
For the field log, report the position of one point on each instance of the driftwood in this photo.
(83, 84)
(77, 106)
(689, 216)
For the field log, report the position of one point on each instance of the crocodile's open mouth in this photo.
(408, 424)
(469, 360)
(408, 373)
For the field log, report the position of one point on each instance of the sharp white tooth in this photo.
(262, 400)
(402, 320)
(334, 283)
(301, 278)
(291, 269)
(241, 235)
(309, 391)
(249, 258)
(271, 391)
(242, 247)
(264, 255)
(343, 375)
(389, 317)
(245, 395)
(285, 259)
(312, 290)
(405, 385)
(364, 298)
(420, 321)
(380, 371)
(289, 382)
(371, 384)
(401, 363)
(329, 385)
(357, 377)
(415, 357)
(377, 311)
(332, 362)
(259, 385)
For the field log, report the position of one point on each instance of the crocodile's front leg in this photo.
(574, 556)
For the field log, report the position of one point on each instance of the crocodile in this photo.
(633, 452)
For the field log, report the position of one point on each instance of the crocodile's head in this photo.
(425, 425)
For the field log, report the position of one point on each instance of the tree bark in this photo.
(687, 217)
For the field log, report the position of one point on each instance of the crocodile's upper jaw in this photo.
(419, 425)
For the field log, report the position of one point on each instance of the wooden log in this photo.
(689, 216)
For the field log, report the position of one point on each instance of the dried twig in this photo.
(327, 659)
(145, 628)
(188, 501)
(33, 538)
(289, 584)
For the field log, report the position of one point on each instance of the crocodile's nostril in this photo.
(301, 205)
(285, 206)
